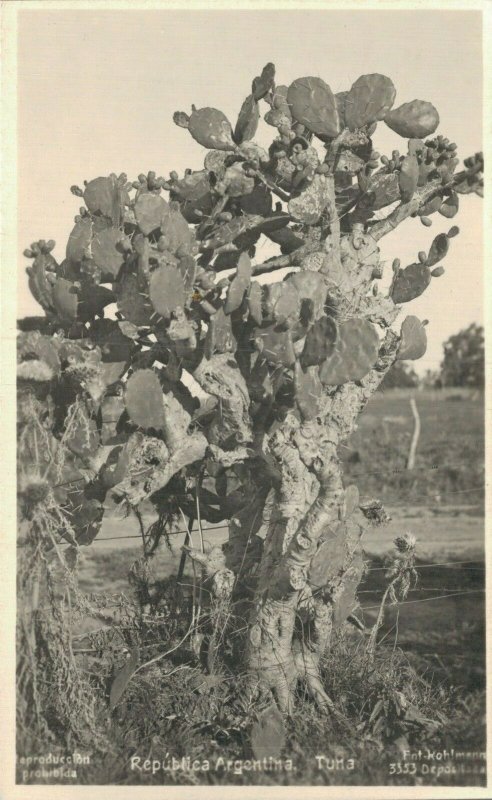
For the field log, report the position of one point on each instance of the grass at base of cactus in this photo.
(424, 690)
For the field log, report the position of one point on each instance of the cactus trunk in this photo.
(292, 616)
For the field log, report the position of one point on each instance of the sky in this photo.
(97, 91)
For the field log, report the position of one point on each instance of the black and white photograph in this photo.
(245, 303)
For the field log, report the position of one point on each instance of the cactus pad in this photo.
(264, 83)
(382, 190)
(211, 128)
(413, 343)
(450, 206)
(310, 286)
(105, 196)
(414, 120)
(328, 559)
(107, 251)
(239, 284)
(355, 353)
(275, 345)
(79, 241)
(150, 212)
(247, 121)
(133, 300)
(166, 290)
(320, 342)
(259, 201)
(282, 303)
(313, 104)
(307, 390)
(438, 249)
(410, 283)
(65, 300)
(143, 399)
(220, 338)
(369, 100)
(346, 600)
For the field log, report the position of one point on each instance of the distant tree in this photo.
(400, 376)
(431, 379)
(464, 358)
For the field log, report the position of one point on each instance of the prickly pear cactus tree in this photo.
(217, 388)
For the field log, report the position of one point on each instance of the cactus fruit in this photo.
(413, 342)
(320, 342)
(355, 353)
(150, 212)
(65, 299)
(247, 121)
(369, 100)
(450, 206)
(410, 283)
(166, 290)
(143, 399)
(310, 204)
(307, 391)
(437, 272)
(255, 295)
(239, 284)
(211, 128)
(408, 177)
(275, 345)
(264, 83)
(108, 251)
(414, 120)
(313, 104)
(438, 250)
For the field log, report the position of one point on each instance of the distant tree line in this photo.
(463, 364)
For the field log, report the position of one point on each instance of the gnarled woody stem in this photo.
(274, 655)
